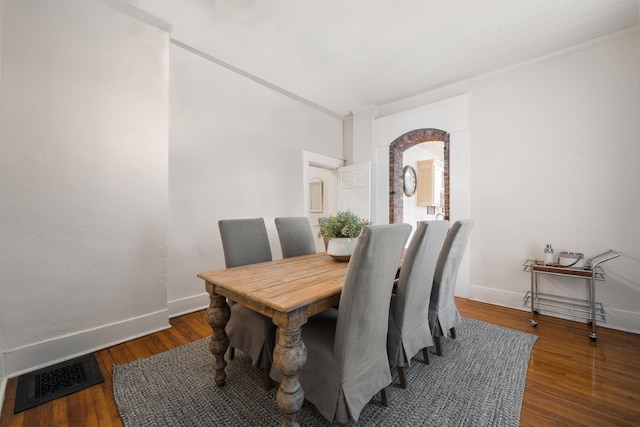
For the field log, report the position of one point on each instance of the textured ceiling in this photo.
(345, 54)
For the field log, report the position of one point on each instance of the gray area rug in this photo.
(479, 381)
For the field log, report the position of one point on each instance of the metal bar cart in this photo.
(587, 309)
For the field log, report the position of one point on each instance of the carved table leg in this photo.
(289, 356)
(218, 315)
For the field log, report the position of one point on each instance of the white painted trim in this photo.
(3, 388)
(315, 159)
(3, 383)
(396, 108)
(620, 320)
(406, 103)
(256, 79)
(187, 305)
(560, 52)
(499, 297)
(49, 352)
(138, 14)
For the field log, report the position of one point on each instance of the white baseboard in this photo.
(3, 387)
(621, 320)
(46, 353)
(187, 305)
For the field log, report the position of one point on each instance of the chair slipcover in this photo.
(245, 241)
(443, 313)
(296, 237)
(347, 361)
(409, 330)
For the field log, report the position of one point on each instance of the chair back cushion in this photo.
(244, 241)
(296, 236)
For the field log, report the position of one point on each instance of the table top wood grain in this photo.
(313, 281)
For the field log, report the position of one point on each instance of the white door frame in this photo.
(319, 160)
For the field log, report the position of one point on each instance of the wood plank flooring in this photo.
(571, 381)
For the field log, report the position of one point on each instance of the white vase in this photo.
(342, 248)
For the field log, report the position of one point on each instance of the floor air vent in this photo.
(55, 381)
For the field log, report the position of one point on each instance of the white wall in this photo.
(83, 180)
(235, 152)
(551, 152)
(555, 150)
(3, 379)
(102, 235)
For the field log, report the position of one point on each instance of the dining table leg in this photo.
(218, 314)
(289, 356)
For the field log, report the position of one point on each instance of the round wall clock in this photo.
(409, 181)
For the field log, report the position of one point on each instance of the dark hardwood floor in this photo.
(571, 381)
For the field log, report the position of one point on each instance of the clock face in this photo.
(409, 181)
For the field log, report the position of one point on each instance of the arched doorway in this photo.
(396, 150)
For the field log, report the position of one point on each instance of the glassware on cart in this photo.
(548, 254)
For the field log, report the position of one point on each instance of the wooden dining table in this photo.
(288, 291)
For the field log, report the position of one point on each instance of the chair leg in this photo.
(403, 379)
(232, 353)
(452, 331)
(425, 355)
(383, 395)
(268, 384)
(438, 345)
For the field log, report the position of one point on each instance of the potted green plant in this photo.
(342, 231)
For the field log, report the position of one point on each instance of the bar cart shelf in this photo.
(588, 309)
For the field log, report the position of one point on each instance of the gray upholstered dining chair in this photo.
(296, 237)
(443, 313)
(409, 330)
(245, 241)
(347, 361)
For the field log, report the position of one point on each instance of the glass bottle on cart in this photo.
(548, 254)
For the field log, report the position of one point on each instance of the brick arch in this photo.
(396, 152)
